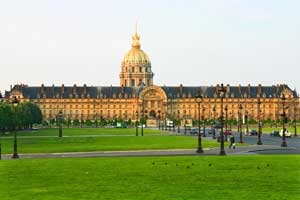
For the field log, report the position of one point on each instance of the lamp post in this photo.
(259, 142)
(159, 120)
(168, 124)
(15, 152)
(246, 121)
(174, 124)
(230, 121)
(214, 123)
(68, 122)
(136, 123)
(221, 91)
(203, 120)
(96, 120)
(198, 100)
(178, 125)
(185, 124)
(143, 120)
(240, 123)
(59, 119)
(295, 118)
(226, 121)
(284, 119)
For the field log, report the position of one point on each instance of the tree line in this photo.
(23, 116)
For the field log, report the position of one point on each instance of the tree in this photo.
(22, 117)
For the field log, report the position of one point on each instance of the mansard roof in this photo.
(172, 92)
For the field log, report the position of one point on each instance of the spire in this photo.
(135, 30)
(136, 39)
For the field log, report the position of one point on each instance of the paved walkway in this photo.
(255, 149)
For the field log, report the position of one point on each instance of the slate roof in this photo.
(132, 92)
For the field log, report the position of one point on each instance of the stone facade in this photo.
(137, 97)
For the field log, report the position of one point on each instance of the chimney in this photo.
(240, 88)
(62, 88)
(277, 89)
(42, 89)
(227, 88)
(217, 88)
(249, 89)
(259, 89)
(84, 89)
(53, 91)
(74, 89)
(181, 88)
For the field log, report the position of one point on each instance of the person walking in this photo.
(232, 142)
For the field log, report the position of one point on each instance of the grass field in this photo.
(106, 143)
(86, 131)
(152, 178)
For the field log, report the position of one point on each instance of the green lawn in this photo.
(152, 178)
(105, 143)
(86, 131)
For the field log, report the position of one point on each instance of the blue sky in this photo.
(200, 42)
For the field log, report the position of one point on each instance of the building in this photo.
(138, 97)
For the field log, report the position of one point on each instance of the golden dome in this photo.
(135, 54)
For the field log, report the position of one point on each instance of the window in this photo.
(141, 70)
(132, 82)
(132, 69)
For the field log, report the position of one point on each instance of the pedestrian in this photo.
(232, 142)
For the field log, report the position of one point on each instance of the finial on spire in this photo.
(136, 38)
(135, 30)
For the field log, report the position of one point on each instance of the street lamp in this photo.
(221, 92)
(240, 123)
(81, 120)
(226, 122)
(136, 123)
(295, 118)
(214, 123)
(284, 120)
(246, 121)
(259, 142)
(230, 121)
(174, 120)
(178, 125)
(158, 120)
(59, 119)
(203, 119)
(96, 120)
(15, 152)
(199, 100)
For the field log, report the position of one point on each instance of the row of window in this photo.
(137, 69)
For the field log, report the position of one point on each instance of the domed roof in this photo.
(135, 54)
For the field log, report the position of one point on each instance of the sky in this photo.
(189, 42)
